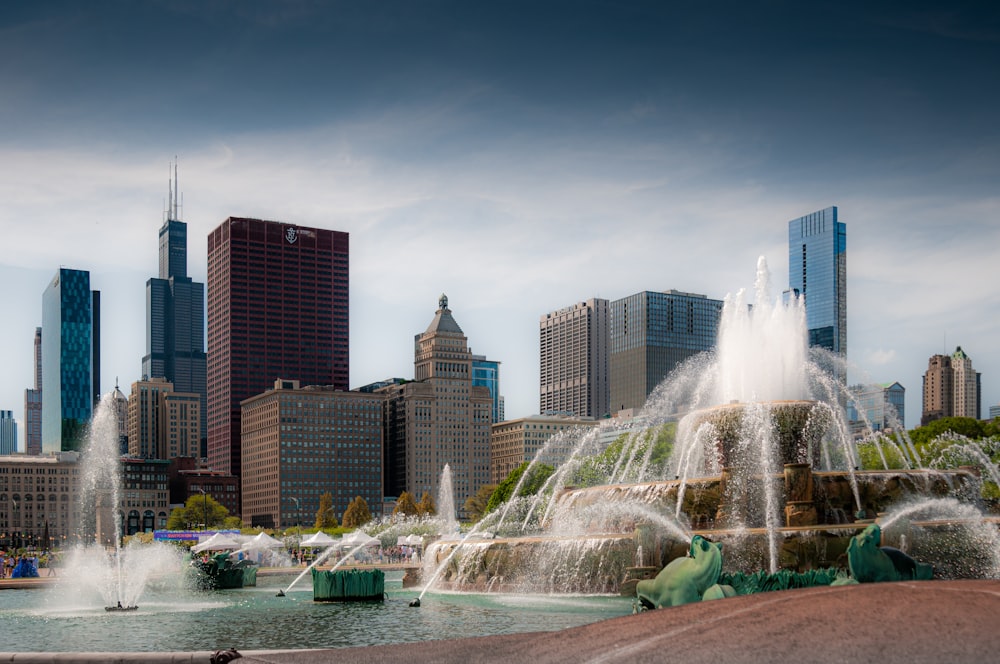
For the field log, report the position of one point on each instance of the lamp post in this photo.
(205, 509)
(298, 533)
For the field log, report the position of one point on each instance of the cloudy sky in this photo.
(517, 156)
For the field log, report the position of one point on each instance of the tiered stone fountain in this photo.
(762, 461)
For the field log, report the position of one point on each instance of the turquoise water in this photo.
(45, 620)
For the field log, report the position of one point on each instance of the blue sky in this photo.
(517, 156)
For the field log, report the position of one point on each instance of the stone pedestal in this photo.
(800, 510)
(800, 514)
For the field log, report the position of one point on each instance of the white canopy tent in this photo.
(217, 542)
(318, 539)
(359, 538)
(262, 541)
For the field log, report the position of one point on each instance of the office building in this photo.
(817, 271)
(951, 388)
(994, 412)
(8, 432)
(574, 346)
(651, 334)
(439, 418)
(71, 359)
(277, 308)
(486, 373)
(515, 441)
(33, 403)
(302, 442)
(40, 498)
(163, 423)
(175, 317)
(879, 407)
(145, 499)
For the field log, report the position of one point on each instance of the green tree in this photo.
(325, 518)
(475, 506)
(539, 473)
(969, 427)
(357, 513)
(200, 511)
(405, 505)
(426, 505)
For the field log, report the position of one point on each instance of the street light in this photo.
(205, 510)
(298, 532)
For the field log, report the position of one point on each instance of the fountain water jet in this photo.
(100, 564)
(761, 457)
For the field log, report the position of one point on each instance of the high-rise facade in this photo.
(163, 423)
(951, 388)
(277, 308)
(515, 441)
(302, 442)
(817, 271)
(574, 346)
(651, 334)
(8, 432)
(486, 373)
(175, 316)
(878, 407)
(439, 419)
(33, 404)
(71, 358)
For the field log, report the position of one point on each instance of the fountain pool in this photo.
(175, 620)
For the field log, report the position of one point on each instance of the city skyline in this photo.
(517, 158)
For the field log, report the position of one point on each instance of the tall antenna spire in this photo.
(176, 190)
(173, 194)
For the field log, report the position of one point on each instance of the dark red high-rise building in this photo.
(277, 308)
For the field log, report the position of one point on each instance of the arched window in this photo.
(132, 527)
(147, 521)
(161, 519)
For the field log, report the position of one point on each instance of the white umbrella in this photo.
(319, 539)
(414, 540)
(217, 542)
(262, 541)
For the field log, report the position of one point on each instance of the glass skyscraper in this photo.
(817, 271)
(8, 432)
(486, 373)
(652, 333)
(175, 320)
(71, 359)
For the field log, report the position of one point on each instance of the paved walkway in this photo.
(887, 623)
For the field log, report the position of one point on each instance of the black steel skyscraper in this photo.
(175, 315)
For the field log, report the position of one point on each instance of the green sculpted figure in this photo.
(870, 563)
(686, 580)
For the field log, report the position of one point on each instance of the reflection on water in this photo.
(254, 619)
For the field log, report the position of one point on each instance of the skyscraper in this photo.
(8, 432)
(951, 388)
(277, 308)
(573, 346)
(878, 407)
(71, 358)
(439, 418)
(486, 373)
(162, 423)
(33, 404)
(175, 316)
(817, 271)
(651, 334)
